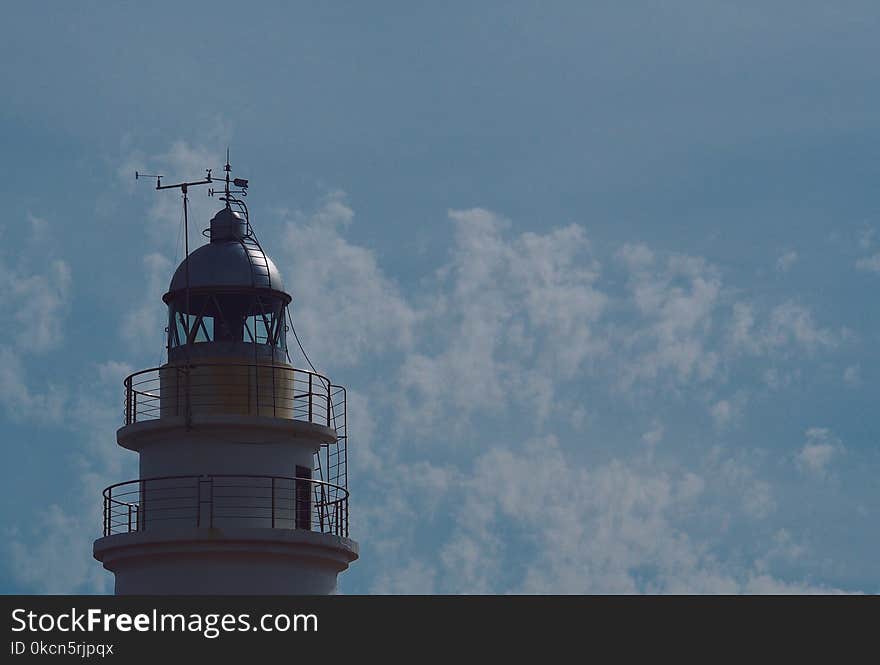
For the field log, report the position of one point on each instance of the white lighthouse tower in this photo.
(243, 464)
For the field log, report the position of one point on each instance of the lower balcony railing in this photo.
(209, 501)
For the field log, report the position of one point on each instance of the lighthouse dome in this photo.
(230, 260)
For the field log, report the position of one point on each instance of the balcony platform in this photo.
(191, 560)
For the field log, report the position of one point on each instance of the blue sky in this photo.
(600, 279)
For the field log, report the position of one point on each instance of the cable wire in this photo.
(296, 337)
(167, 332)
(289, 318)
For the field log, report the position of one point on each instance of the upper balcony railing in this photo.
(229, 388)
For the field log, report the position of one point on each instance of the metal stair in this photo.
(257, 258)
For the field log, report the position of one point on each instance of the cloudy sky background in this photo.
(601, 280)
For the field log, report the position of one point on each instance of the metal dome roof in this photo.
(230, 260)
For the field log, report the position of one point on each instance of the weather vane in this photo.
(228, 193)
(241, 183)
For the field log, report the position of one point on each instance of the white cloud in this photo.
(654, 435)
(523, 310)
(511, 319)
(818, 451)
(517, 316)
(50, 553)
(726, 411)
(38, 300)
(788, 327)
(344, 307)
(39, 554)
(852, 375)
(722, 412)
(20, 401)
(740, 479)
(786, 260)
(783, 548)
(40, 228)
(113, 372)
(869, 263)
(415, 577)
(779, 379)
(766, 585)
(792, 322)
(182, 161)
(529, 519)
(43, 559)
(143, 326)
(611, 528)
(36, 297)
(636, 257)
(677, 303)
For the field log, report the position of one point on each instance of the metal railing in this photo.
(268, 389)
(217, 501)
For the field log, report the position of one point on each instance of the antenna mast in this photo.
(184, 188)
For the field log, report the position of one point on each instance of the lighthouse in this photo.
(243, 475)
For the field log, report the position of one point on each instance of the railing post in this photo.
(129, 518)
(201, 481)
(274, 389)
(273, 502)
(310, 397)
(328, 403)
(142, 495)
(188, 395)
(106, 505)
(128, 401)
(257, 387)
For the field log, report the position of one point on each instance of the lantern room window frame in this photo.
(264, 322)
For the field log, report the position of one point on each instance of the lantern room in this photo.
(227, 299)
